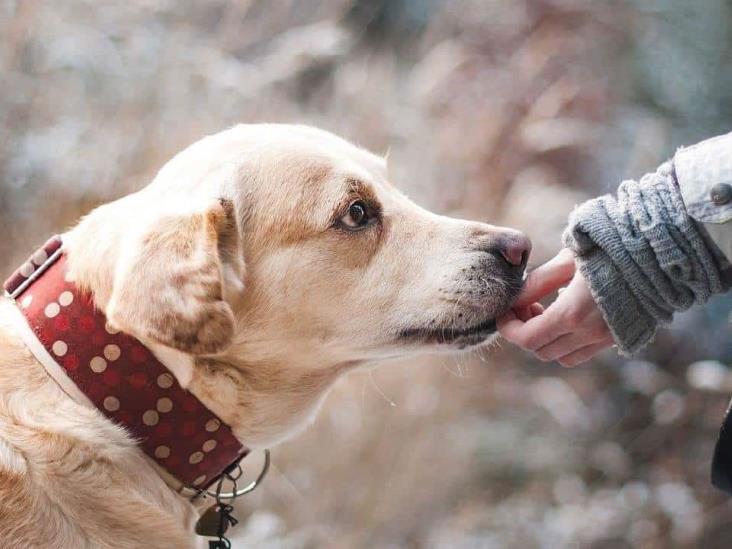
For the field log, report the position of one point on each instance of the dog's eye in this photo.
(357, 216)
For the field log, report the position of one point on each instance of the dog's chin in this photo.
(450, 336)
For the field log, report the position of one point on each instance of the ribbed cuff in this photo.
(630, 324)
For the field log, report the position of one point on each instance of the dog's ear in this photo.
(176, 282)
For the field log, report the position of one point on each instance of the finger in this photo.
(547, 278)
(583, 355)
(568, 344)
(534, 333)
(508, 321)
(523, 313)
(507, 318)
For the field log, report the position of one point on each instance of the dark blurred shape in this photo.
(391, 22)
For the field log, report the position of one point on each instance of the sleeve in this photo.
(643, 255)
(704, 173)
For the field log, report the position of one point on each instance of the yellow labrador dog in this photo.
(260, 265)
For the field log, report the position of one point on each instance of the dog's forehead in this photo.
(319, 151)
(297, 159)
(252, 155)
(338, 149)
(293, 178)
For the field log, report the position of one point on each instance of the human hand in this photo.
(571, 330)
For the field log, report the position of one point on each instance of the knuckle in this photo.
(533, 343)
(538, 338)
(544, 356)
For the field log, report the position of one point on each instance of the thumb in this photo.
(547, 278)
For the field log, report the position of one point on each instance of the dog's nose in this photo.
(514, 247)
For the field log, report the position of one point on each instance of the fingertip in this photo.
(536, 309)
(546, 278)
(523, 313)
(511, 328)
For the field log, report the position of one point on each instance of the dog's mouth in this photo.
(455, 333)
(450, 335)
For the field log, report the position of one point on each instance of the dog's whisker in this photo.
(456, 360)
(378, 390)
(363, 396)
(287, 482)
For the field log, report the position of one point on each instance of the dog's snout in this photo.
(514, 248)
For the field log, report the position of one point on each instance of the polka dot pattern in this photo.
(98, 364)
(52, 310)
(59, 348)
(165, 381)
(124, 380)
(21, 275)
(150, 418)
(66, 298)
(39, 257)
(26, 269)
(164, 405)
(111, 404)
(112, 352)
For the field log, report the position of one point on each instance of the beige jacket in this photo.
(704, 174)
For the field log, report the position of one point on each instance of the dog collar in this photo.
(118, 375)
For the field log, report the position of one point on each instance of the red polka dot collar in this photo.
(117, 374)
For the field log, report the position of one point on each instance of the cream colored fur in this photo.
(233, 267)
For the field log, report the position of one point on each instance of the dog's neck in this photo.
(265, 403)
(264, 394)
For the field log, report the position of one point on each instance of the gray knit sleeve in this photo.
(642, 255)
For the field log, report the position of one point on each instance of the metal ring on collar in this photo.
(249, 487)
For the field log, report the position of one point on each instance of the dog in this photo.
(260, 265)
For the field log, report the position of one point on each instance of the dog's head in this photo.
(268, 259)
(290, 240)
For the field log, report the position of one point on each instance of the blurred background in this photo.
(507, 111)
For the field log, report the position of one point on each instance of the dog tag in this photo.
(212, 523)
